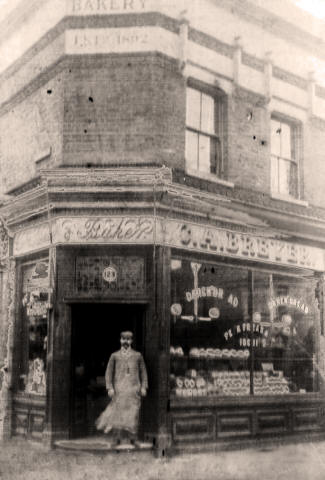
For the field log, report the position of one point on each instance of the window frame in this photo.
(252, 273)
(22, 342)
(295, 127)
(218, 170)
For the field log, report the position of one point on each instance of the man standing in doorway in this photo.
(126, 382)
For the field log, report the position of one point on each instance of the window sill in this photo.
(210, 177)
(289, 199)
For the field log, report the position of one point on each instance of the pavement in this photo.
(21, 460)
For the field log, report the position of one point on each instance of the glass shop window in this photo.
(285, 312)
(209, 353)
(34, 304)
(238, 332)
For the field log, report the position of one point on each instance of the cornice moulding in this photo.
(16, 17)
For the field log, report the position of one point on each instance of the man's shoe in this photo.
(115, 443)
(135, 443)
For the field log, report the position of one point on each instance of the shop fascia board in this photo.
(76, 177)
(31, 201)
(273, 222)
(288, 223)
(191, 201)
(69, 180)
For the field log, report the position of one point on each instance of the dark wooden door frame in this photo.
(59, 426)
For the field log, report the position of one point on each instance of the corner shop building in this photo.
(227, 321)
(197, 264)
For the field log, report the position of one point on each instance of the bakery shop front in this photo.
(229, 322)
(244, 339)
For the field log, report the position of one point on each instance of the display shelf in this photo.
(245, 400)
(29, 398)
(188, 357)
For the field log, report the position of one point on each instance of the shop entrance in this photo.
(96, 332)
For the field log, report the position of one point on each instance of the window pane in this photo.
(207, 114)
(209, 330)
(192, 150)
(285, 360)
(275, 138)
(193, 108)
(285, 140)
(204, 154)
(35, 299)
(293, 185)
(274, 174)
(284, 176)
(215, 157)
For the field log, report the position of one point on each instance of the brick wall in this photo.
(248, 142)
(126, 109)
(121, 110)
(28, 130)
(314, 162)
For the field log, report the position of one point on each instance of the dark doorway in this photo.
(96, 332)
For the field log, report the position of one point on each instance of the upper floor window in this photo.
(204, 115)
(284, 158)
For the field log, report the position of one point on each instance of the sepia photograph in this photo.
(162, 239)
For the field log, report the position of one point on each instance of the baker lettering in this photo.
(115, 229)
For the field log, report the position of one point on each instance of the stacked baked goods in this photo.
(176, 351)
(218, 353)
(274, 384)
(216, 382)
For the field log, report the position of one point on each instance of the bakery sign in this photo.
(242, 245)
(143, 229)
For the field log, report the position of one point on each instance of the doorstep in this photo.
(99, 445)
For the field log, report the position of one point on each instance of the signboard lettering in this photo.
(109, 38)
(199, 292)
(107, 6)
(107, 229)
(186, 236)
(243, 245)
(289, 301)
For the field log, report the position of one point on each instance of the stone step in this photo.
(100, 445)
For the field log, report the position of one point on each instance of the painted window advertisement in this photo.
(239, 332)
(287, 311)
(35, 304)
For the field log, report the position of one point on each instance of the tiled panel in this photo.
(190, 427)
(273, 422)
(20, 423)
(36, 425)
(234, 425)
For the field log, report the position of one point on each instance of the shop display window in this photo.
(239, 332)
(34, 305)
(286, 309)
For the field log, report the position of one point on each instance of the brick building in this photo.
(162, 170)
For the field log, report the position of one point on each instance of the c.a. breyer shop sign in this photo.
(242, 245)
(120, 229)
